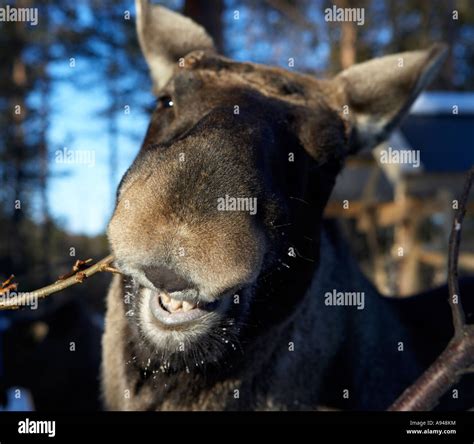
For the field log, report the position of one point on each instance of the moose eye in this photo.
(165, 102)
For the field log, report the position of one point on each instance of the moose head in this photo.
(217, 222)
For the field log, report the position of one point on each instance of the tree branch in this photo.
(458, 357)
(459, 318)
(77, 276)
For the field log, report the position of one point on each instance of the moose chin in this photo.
(221, 303)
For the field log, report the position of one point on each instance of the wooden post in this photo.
(406, 246)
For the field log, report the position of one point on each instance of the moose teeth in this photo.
(188, 306)
(173, 305)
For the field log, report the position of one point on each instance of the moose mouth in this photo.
(171, 312)
(174, 312)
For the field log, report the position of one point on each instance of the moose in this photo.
(227, 310)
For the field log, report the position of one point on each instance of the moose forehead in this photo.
(270, 81)
(220, 72)
(204, 81)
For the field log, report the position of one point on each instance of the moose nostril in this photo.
(166, 279)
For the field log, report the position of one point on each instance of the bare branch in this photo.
(78, 274)
(458, 357)
(453, 258)
(446, 371)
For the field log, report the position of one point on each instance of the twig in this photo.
(78, 275)
(78, 266)
(458, 357)
(8, 285)
(459, 318)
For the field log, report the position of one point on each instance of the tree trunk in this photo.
(18, 113)
(347, 54)
(45, 90)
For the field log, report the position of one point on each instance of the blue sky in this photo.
(80, 196)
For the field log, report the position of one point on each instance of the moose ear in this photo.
(377, 94)
(166, 36)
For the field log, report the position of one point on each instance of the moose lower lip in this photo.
(176, 318)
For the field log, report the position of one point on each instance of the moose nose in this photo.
(167, 279)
